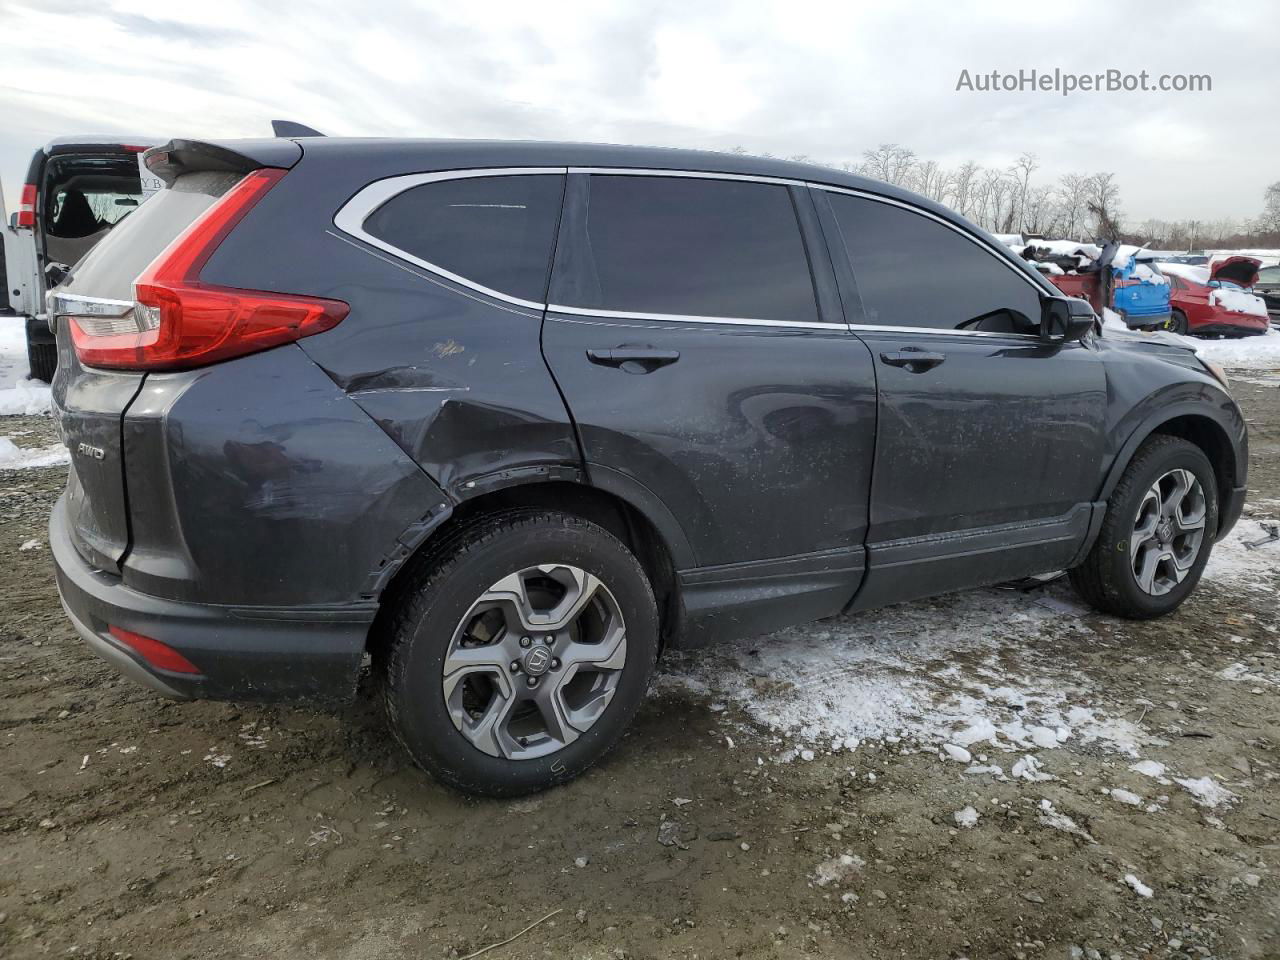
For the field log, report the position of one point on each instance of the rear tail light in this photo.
(157, 654)
(27, 206)
(177, 321)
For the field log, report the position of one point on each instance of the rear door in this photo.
(990, 443)
(89, 403)
(705, 371)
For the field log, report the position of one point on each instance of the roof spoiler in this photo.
(287, 128)
(177, 157)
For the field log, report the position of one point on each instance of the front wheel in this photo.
(1156, 535)
(520, 653)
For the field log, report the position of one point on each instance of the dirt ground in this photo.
(131, 826)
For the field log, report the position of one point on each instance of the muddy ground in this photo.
(131, 826)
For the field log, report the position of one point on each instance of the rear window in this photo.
(497, 232)
(110, 268)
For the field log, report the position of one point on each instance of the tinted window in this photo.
(914, 272)
(1269, 275)
(694, 247)
(495, 231)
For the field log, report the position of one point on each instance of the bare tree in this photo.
(1270, 219)
(889, 162)
(1103, 200)
(1022, 169)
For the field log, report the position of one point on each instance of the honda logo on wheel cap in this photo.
(536, 661)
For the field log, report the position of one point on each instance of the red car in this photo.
(1214, 300)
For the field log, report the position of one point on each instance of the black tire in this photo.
(439, 594)
(1178, 323)
(1106, 578)
(42, 358)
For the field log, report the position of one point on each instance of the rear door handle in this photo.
(916, 361)
(634, 359)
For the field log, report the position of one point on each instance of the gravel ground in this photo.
(744, 815)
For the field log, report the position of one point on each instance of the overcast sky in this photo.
(826, 80)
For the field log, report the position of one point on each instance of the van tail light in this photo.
(177, 321)
(27, 206)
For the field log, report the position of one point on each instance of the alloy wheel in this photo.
(535, 661)
(1168, 532)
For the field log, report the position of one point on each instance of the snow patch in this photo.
(1247, 353)
(19, 396)
(837, 869)
(1206, 791)
(14, 457)
(966, 818)
(1138, 887)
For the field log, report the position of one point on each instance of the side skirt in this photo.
(744, 599)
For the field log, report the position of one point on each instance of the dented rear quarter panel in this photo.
(456, 379)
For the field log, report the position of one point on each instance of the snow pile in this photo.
(1187, 271)
(1237, 301)
(14, 457)
(1248, 353)
(18, 395)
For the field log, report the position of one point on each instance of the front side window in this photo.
(912, 271)
(696, 247)
(498, 231)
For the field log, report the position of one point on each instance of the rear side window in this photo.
(692, 247)
(912, 271)
(497, 232)
(109, 269)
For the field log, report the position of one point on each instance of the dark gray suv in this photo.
(511, 418)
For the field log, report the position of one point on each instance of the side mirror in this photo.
(1065, 319)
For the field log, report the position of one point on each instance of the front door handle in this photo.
(916, 361)
(634, 359)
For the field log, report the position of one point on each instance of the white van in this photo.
(77, 189)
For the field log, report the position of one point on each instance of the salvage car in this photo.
(1121, 277)
(1216, 300)
(77, 189)
(510, 419)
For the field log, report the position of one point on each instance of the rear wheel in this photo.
(42, 359)
(1157, 533)
(1178, 323)
(519, 655)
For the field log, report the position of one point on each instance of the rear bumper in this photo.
(244, 653)
(1230, 328)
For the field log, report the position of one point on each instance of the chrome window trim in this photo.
(351, 216)
(685, 318)
(687, 175)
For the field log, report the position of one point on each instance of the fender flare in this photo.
(645, 502)
(1157, 418)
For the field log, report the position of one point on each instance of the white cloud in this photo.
(826, 80)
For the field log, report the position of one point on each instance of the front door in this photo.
(990, 443)
(703, 372)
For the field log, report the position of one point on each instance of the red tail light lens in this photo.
(180, 322)
(27, 206)
(159, 655)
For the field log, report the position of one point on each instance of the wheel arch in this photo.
(1193, 424)
(650, 541)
